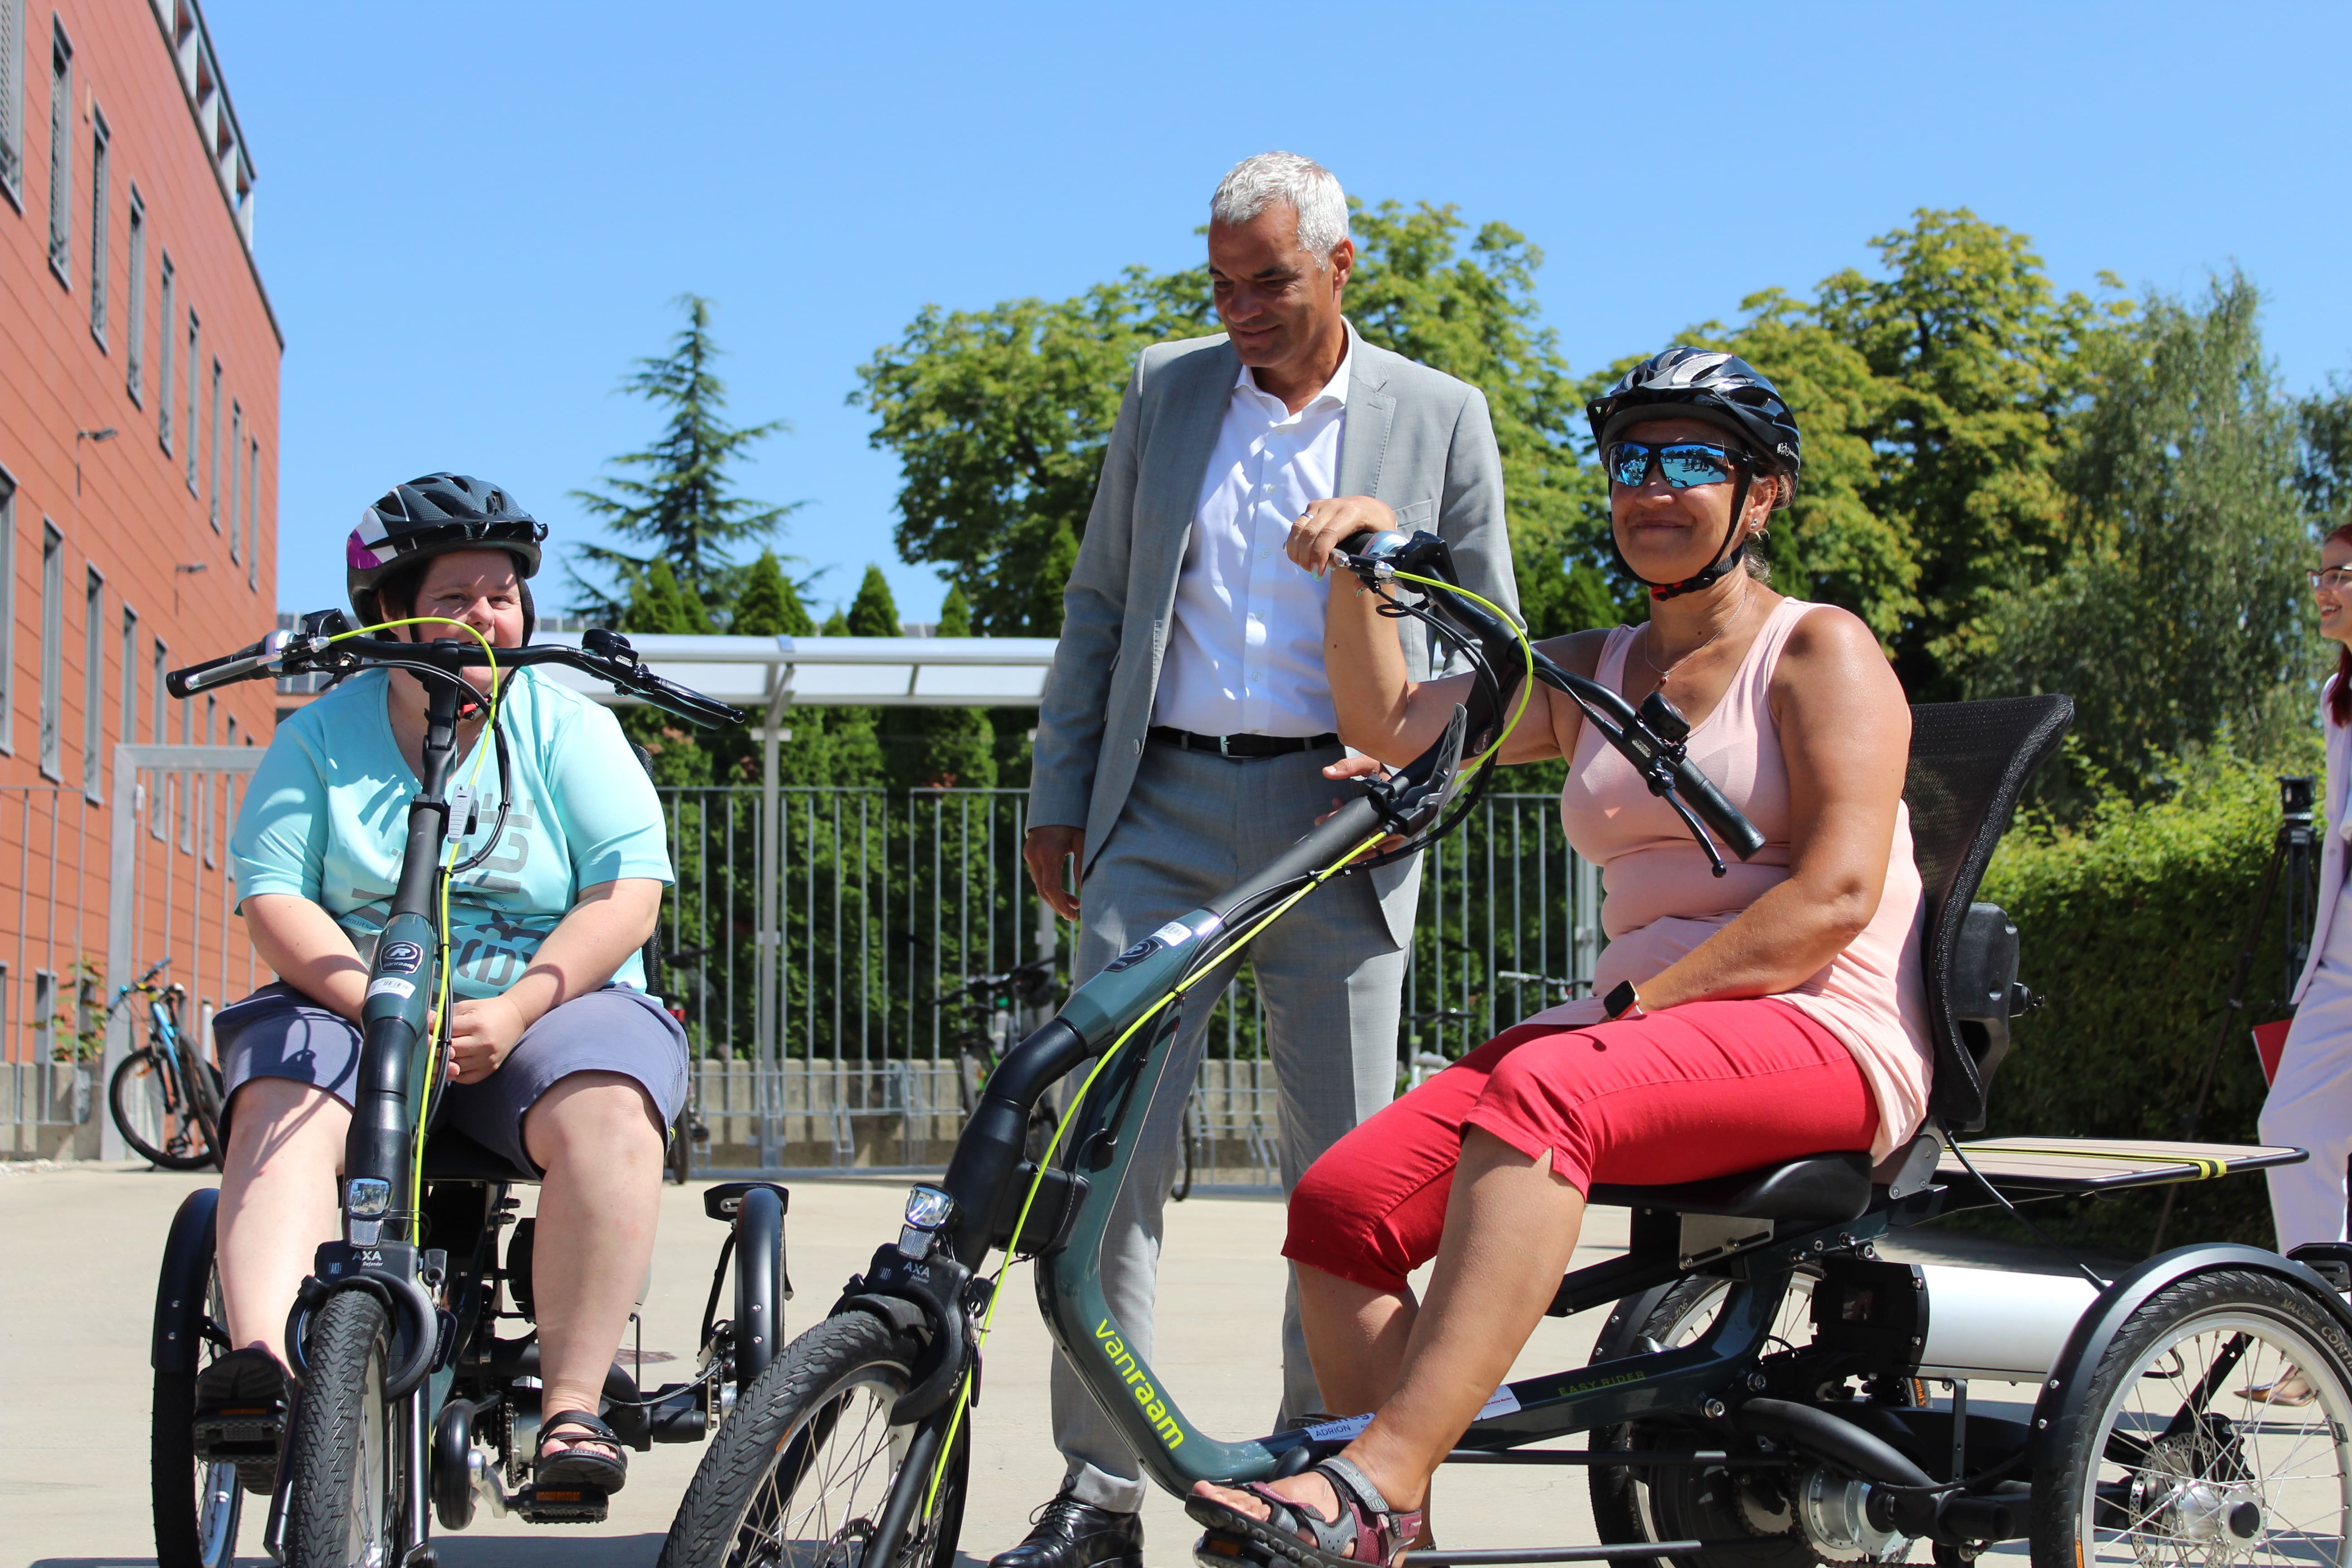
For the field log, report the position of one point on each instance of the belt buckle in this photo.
(1225, 747)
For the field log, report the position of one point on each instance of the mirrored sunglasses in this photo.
(1686, 464)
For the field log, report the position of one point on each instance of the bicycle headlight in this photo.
(928, 1208)
(367, 1197)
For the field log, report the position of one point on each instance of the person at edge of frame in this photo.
(1187, 734)
(2310, 1101)
(559, 1061)
(1776, 1011)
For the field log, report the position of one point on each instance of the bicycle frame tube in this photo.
(391, 1091)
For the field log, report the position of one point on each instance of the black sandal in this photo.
(577, 1466)
(1367, 1530)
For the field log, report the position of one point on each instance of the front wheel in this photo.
(170, 1120)
(2170, 1462)
(343, 1476)
(798, 1476)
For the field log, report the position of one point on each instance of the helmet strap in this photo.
(1734, 547)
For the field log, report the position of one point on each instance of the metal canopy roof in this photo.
(770, 673)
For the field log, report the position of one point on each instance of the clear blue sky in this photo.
(473, 216)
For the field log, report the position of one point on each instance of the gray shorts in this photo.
(278, 1032)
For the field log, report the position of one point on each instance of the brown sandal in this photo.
(1367, 1531)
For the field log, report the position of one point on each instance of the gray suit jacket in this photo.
(1414, 437)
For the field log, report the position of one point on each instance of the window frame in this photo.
(236, 450)
(61, 119)
(49, 744)
(130, 716)
(8, 608)
(166, 328)
(12, 102)
(93, 687)
(192, 413)
(252, 516)
(214, 509)
(134, 285)
(101, 140)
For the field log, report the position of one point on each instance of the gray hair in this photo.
(1313, 191)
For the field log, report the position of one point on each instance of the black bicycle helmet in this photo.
(433, 516)
(1722, 390)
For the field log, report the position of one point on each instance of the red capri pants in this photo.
(1700, 1091)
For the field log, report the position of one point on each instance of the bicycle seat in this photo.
(1821, 1188)
(451, 1156)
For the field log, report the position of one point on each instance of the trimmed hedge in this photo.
(2130, 927)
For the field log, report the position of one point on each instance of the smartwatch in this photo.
(1623, 1002)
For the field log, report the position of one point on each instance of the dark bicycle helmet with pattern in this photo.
(1719, 389)
(431, 516)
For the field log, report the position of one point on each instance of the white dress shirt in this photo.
(1245, 655)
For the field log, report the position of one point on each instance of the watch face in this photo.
(1619, 999)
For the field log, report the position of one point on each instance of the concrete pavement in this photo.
(76, 1298)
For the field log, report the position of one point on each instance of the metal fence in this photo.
(818, 1039)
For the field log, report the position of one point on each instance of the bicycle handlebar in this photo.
(1651, 738)
(325, 644)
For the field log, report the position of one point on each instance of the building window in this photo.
(7, 607)
(60, 154)
(164, 316)
(98, 227)
(45, 1014)
(236, 447)
(93, 687)
(129, 723)
(12, 100)
(135, 289)
(188, 413)
(157, 813)
(216, 446)
(253, 517)
(53, 638)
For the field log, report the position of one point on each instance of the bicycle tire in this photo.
(142, 1083)
(342, 1489)
(847, 1369)
(197, 1507)
(2177, 1498)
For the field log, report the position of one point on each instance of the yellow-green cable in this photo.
(1526, 653)
(441, 1005)
(988, 1320)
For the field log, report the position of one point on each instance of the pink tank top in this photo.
(1660, 899)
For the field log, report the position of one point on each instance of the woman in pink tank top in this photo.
(1738, 1022)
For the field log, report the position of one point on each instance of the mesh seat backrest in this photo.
(1969, 760)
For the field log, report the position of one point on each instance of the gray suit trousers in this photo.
(1328, 972)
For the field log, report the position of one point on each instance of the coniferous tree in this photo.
(853, 738)
(770, 605)
(680, 507)
(660, 606)
(957, 746)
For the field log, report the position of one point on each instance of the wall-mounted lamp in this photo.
(90, 436)
(185, 569)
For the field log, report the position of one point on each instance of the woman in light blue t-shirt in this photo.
(559, 1060)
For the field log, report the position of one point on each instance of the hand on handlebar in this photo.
(1348, 768)
(1326, 524)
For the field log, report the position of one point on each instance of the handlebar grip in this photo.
(1723, 819)
(693, 706)
(233, 666)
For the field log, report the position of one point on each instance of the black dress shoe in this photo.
(1068, 1533)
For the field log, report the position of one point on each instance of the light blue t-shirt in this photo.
(326, 817)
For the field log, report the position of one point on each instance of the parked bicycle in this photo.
(165, 1097)
(986, 1009)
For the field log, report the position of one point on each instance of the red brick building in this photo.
(139, 362)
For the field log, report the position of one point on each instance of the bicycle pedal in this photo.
(240, 1434)
(1217, 1551)
(259, 1476)
(561, 1505)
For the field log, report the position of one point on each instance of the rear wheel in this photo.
(157, 1114)
(798, 1476)
(1632, 1504)
(342, 1481)
(2169, 1463)
(197, 1505)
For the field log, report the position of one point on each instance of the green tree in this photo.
(681, 507)
(998, 418)
(958, 745)
(2324, 467)
(2179, 622)
(1979, 360)
(677, 748)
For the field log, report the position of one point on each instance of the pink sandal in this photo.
(1367, 1531)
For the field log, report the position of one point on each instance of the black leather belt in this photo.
(1245, 746)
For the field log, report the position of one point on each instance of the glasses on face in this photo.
(2333, 579)
(1686, 464)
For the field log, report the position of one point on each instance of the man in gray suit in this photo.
(1186, 733)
